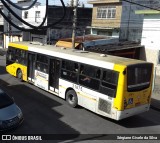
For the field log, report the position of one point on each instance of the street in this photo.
(45, 113)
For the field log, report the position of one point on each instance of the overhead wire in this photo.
(36, 28)
(23, 21)
(22, 8)
(135, 3)
(40, 27)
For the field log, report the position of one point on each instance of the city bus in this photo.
(110, 86)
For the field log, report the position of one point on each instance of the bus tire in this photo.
(71, 98)
(19, 75)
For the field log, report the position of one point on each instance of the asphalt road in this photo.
(45, 113)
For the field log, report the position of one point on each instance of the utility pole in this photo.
(75, 4)
(9, 26)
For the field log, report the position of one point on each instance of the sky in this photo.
(57, 2)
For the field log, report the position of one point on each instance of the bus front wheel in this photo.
(19, 75)
(71, 98)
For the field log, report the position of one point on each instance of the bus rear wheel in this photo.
(71, 98)
(19, 75)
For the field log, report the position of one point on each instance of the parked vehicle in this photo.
(10, 114)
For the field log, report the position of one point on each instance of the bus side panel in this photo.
(89, 99)
(86, 98)
(12, 69)
(119, 99)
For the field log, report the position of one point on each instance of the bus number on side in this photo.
(78, 87)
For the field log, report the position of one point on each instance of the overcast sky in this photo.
(57, 2)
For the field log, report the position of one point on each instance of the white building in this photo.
(150, 37)
(1, 26)
(33, 16)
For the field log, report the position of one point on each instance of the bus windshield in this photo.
(139, 77)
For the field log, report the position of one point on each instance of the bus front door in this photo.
(54, 74)
(31, 66)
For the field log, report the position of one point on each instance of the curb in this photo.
(155, 108)
(155, 104)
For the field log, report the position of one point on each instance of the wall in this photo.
(151, 31)
(131, 23)
(65, 27)
(31, 15)
(150, 38)
(14, 20)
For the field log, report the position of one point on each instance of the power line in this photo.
(23, 21)
(141, 5)
(36, 28)
(22, 8)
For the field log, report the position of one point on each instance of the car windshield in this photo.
(5, 100)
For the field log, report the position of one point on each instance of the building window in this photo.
(106, 12)
(26, 14)
(37, 15)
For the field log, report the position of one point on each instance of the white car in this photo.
(10, 114)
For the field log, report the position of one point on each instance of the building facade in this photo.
(33, 16)
(131, 23)
(106, 17)
(116, 18)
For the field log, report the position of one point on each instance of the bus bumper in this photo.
(132, 111)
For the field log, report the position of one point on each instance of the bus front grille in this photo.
(104, 106)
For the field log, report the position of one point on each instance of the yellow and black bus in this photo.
(111, 86)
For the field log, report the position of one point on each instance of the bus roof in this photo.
(86, 57)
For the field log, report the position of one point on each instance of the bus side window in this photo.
(38, 66)
(98, 73)
(69, 70)
(42, 63)
(89, 76)
(109, 83)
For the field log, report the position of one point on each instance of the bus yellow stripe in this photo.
(19, 46)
